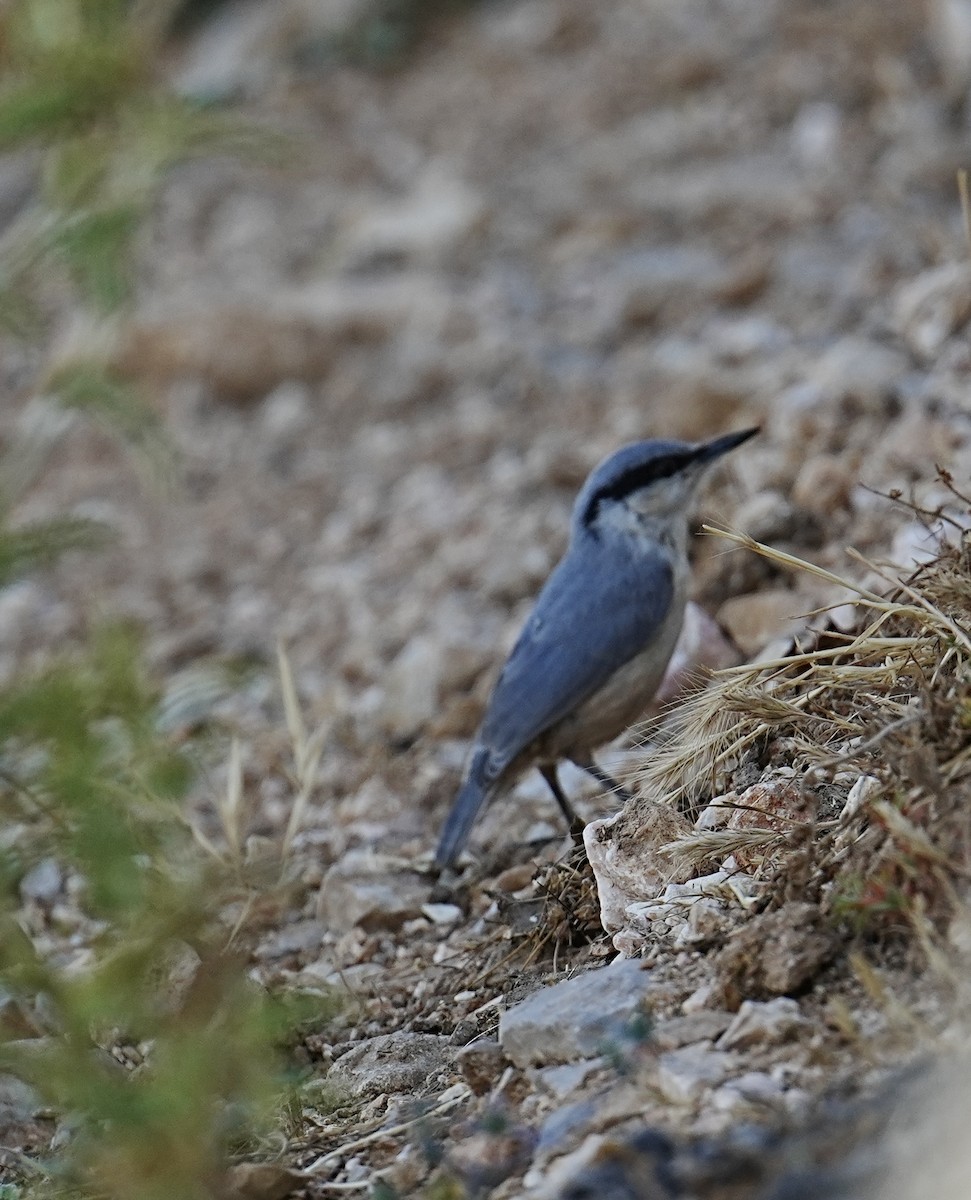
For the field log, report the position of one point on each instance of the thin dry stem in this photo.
(230, 803)
(307, 752)
(965, 205)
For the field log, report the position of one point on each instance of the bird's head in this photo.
(648, 486)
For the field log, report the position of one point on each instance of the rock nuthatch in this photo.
(596, 645)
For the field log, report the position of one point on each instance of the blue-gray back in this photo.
(597, 610)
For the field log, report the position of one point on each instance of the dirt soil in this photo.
(553, 228)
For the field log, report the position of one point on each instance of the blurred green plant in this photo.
(87, 779)
(82, 86)
(93, 390)
(88, 775)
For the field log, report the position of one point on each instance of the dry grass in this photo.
(571, 913)
(231, 807)
(307, 749)
(890, 701)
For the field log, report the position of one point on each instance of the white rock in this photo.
(693, 889)
(440, 212)
(755, 1087)
(560, 1081)
(816, 135)
(735, 339)
(701, 998)
(319, 17)
(959, 934)
(796, 403)
(865, 789)
(756, 618)
(763, 1022)
(646, 914)
(635, 868)
(860, 795)
(572, 1019)
(927, 310)
(370, 890)
(706, 920)
(915, 544)
(544, 1182)
(18, 1102)
(949, 29)
(392, 1063)
(352, 977)
(860, 367)
(233, 52)
(286, 411)
(20, 603)
(715, 814)
(517, 28)
(630, 944)
(412, 686)
(442, 914)
(684, 1074)
(43, 882)
(845, 617)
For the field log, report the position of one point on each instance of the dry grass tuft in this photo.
(890, 701)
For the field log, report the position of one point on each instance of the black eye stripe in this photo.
(638, 477)
(641, 475)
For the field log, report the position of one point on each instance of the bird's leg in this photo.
(548, 771)
(576, 823)
(605, 780)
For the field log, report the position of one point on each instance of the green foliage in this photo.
(80, 79)
(85, 770)
(40, 543)
(81, 737)
(80, 84)
(88, 775)
(93, 247)
(623, 1049)
(90, 388)
(872, 902)
(64, 66)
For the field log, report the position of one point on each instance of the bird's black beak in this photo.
(708, 451)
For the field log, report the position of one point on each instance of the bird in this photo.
(596, 644)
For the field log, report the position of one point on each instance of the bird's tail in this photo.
(466, 807)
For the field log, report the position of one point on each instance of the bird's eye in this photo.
(644, 474)
(635, 479)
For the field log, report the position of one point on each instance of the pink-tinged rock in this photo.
(778, 804)
(701, 647)
(756, 618)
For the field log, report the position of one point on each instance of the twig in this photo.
(797, 564)
(965, 205)
(332, 1156)
(230, 803)
(920, 600)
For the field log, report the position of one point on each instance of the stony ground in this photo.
(549, 229)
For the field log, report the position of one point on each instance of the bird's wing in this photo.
(589, 620)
